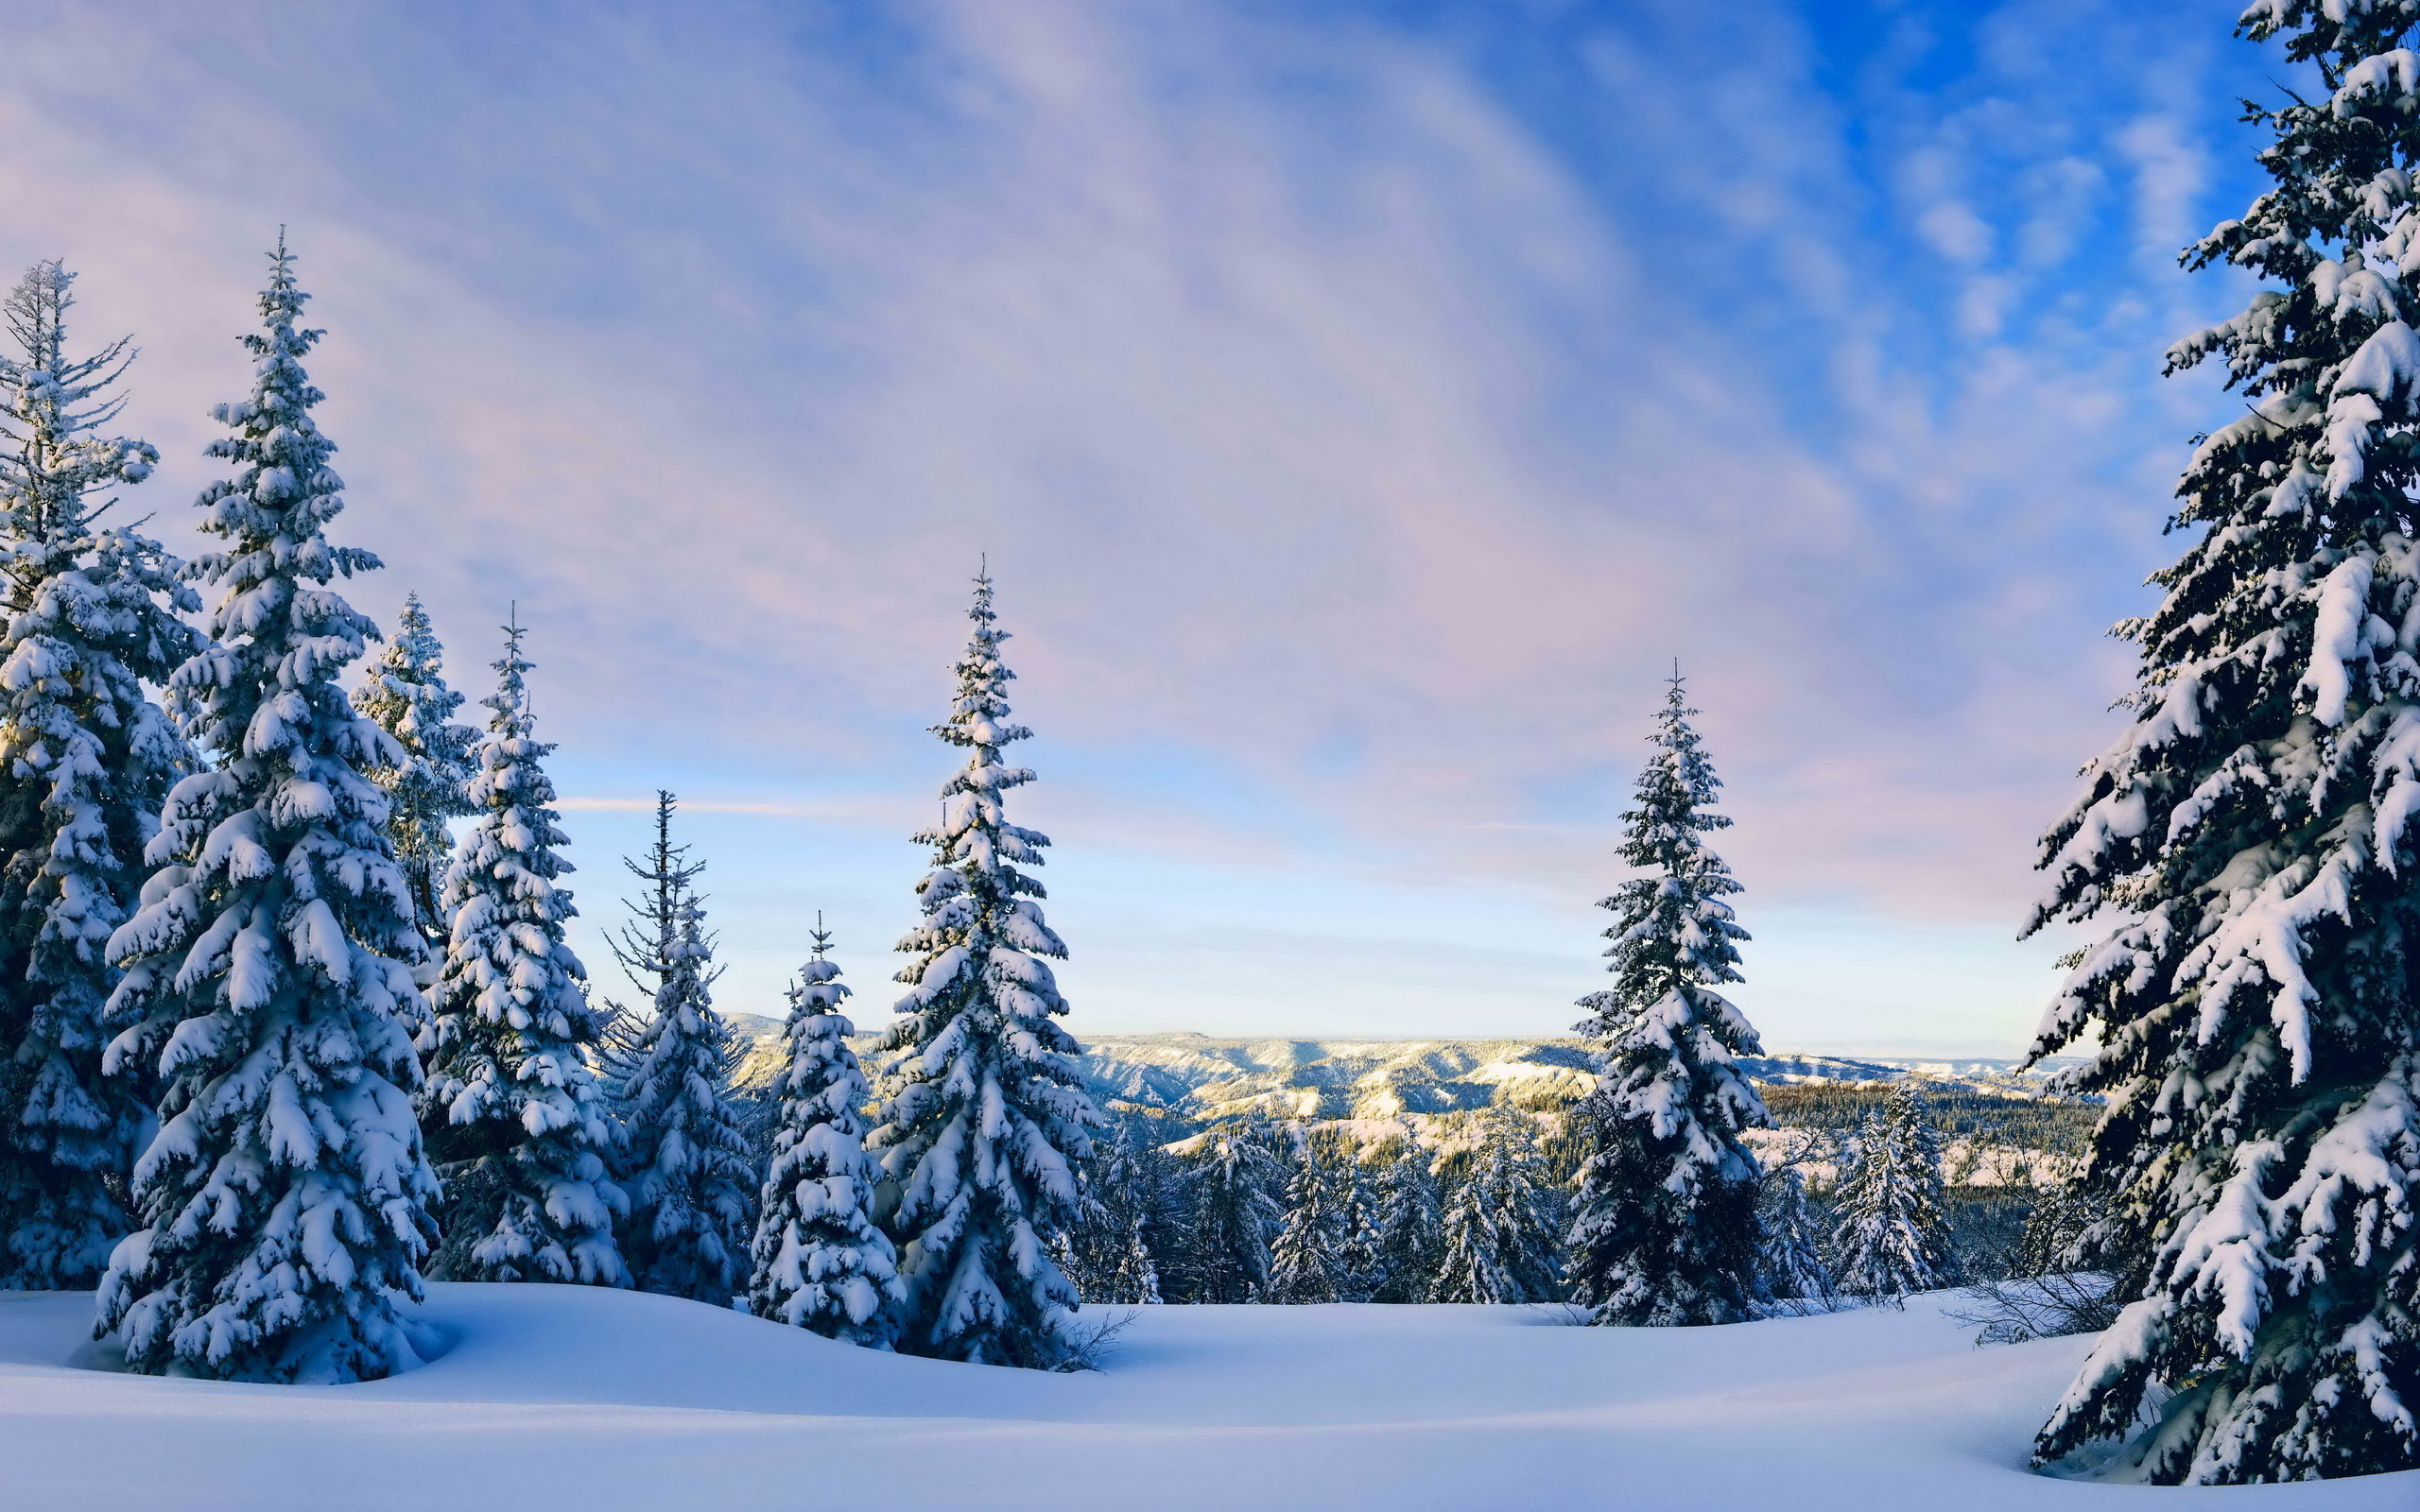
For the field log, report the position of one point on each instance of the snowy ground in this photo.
(556, 1397)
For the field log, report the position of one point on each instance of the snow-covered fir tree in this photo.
(1361, 1267)
(692, 1185)
(1110, 1250)
(820, 1261)
(1231, 1189)
(1790, 1258)
(403, 693)
(1306, 1262)
(86, 759)
(1410, 1222)
(1890, 1235)
(988, 1121)
(283, 1205)
(2248, 848)
(1500, 1226)
(1664, 1227)
(514, 1114)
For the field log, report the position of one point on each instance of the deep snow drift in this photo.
(555, 1397)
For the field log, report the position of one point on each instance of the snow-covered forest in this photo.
(331, 1175)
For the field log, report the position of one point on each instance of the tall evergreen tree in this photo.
(1500, 1223)
(403, 693)
(983, 1134)
(1232, 1190)
(1306, 1262)
(1892, 1236)
(693, 1186)
(1410, 1222)
(2248, 844)
(85, 760)
(821, 1262)
(512, 1107)
(1666, 1228)
(283, 1207)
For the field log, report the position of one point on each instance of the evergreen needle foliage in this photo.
(2248, 842)
(1664, 1230)
(988, 1122)
(1892, 1236)
(821, 1261)
(692, 1187)
(404, 693)
(85, 760)
(1501, 1221)
(283, 1207)
(512, 1108)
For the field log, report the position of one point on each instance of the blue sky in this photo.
(1361, 405)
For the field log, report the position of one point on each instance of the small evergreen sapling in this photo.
(513, 1109)
(1666, 1228)
(403, 693)
(820, 1263)
(85, 760)
(693, 1190)
(988, 1122)
(283, 1208)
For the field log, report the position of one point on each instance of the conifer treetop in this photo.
(52, 456)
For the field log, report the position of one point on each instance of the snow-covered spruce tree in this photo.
(403, 693)
(1360, 1268)
(1890, 1236)
(283, 1207)
(511, 1109)
(1663, 1231)
(85, 760)
(2248, 842)
(821, 1262)
(693, 1186)
(988, 1122)
(1409, 1221)
(1109, 1250)
(1232, 1190)
(1789, 1258)
(1499, 1243)
(1306, 1262)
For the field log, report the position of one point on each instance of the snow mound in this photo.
(571, 1398)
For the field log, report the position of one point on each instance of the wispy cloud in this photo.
(1359, 414)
